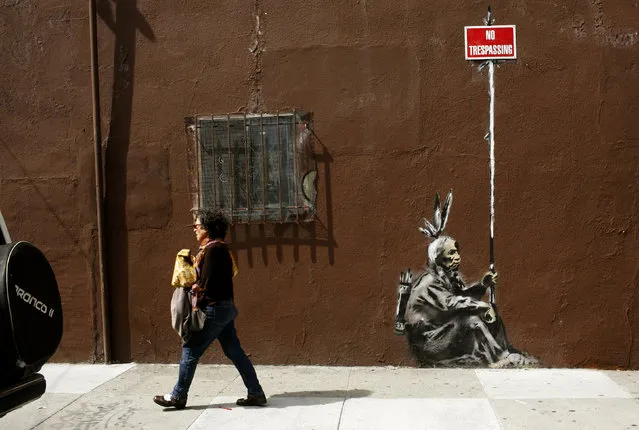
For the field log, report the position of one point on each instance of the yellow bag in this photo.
(184, 274)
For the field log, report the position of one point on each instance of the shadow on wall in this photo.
(44, 197)
(42, 188)
(314, 234)
(125, 22)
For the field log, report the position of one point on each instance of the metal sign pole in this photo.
(491, 81)
(491, 140)
(491, 43)
(491, 131)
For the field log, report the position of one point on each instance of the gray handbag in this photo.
(197, 319)
(197, 316)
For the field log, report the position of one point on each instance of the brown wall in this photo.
(399, 114)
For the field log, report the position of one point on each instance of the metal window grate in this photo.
(253, 167)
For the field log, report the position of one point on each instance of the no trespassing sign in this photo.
(491, 42)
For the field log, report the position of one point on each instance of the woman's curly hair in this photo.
(214, 222)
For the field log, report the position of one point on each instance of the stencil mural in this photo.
(443, 318)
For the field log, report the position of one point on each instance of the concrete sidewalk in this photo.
(305, 397)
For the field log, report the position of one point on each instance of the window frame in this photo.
(293, 145)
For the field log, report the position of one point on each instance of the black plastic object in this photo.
(25, 391)
(30, 311)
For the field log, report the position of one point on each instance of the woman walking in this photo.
(214, 290)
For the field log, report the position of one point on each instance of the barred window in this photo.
(254, 167)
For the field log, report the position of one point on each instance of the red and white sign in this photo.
(492, 42)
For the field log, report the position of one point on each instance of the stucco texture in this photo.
(398, 113)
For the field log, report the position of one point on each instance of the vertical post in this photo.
(263, 164)
(295, 178)
(99, 182)
(228, 141)
(491, 136)
(247, 161)
(198, 162)
(279, 163)
(491, 85)
(214, 174)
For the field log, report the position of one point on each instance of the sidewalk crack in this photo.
(348, 387)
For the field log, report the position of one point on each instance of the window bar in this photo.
(311, 161)
(198, 161)
(247, 162)
(297, 205)
(279, 163)
(263, 169)
(215, 177)
(228, 140)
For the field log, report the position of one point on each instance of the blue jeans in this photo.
(219, 324)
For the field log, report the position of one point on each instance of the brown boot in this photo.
(168, 401)
(252, 400)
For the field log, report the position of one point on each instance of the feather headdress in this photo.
(440, 217)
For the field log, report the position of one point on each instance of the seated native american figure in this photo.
(444, 319)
